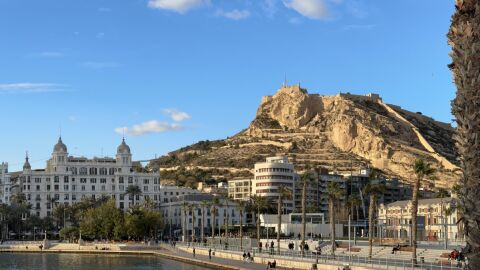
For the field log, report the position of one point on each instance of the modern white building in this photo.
(66, 180)
(291, 225)
(240, 188)
(5, 184)
(270, 175)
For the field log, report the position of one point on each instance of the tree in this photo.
(241, 208)
(132, 192)
(421, 169)
(283, 193)
(354, 203)
(442, 194)
(334, 194)
(214, 205)
(306, 177)
(260, 204)
(185, 207)
(192, 208)
(203, 205)
(374, 188)
(464, 37)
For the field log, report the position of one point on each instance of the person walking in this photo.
(194, 252)
(210, 254)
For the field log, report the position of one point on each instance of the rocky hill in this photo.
(342, 133)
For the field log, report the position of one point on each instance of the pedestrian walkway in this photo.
(241, 265)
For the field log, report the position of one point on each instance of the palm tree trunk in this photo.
(184, 225)
(193, 222)
(371, 208)
(304, 222)
(332, 224)
(279, 224)
(241, 230)
(258, 226)
(214, 217)
(464, 39)
(416, 187)
(202, 229)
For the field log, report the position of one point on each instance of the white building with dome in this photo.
(67, 179)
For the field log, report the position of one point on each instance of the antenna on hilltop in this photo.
(285, 80)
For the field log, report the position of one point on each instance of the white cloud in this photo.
(234, 14)
(152, 126)
(313, 9)
(46, 54)
(27, 87)
(104, 9)
(100, 65)
(179, 6)
(177, 116)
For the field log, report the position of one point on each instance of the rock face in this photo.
(343, 133)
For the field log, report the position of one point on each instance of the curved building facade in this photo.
(270, 175)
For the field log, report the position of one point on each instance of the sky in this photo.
(168, 73)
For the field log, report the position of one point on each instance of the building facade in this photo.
(434, 218)
(240, 189)
(270, 175)
(66, 180)
(168, 193)
(5, 183)
(188, 208)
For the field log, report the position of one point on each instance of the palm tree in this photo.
(192, 208)
(283, 193)
(305, 181)
(442, 194)
(353, 203)
(214, 205)
(185, 207)
(241, 207)
(334, 194)
(374, 188)
(421, 169)
(203, 205)
(132, 192)
(464, 39)
(260, 204)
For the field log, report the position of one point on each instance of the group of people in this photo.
(456, 255)
(247, 257)
(271, 265)
(272, 247)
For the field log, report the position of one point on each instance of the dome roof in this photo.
(26, 165)
(123, 148)
(60, 146)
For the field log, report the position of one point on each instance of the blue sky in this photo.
(172, 72)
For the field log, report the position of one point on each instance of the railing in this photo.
(389, 262)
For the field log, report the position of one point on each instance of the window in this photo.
(65, 197)
(146, 181)
(93, 180)
(113, 187)
(121, 197)
(83, 171)
(121, 188)
(57, 197)
(47, 179)
(56, 179)
(103, 188)
(145, 188)
(83, 180)
(65, 187)
(93, 188)
(83, 188)
(103, 180)
(38, 180)
(65, 179)
(38, 188)
(122, 205)
(120, 180)
(73, 187)
(55, 187)
(130, 180)
(74, 197)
